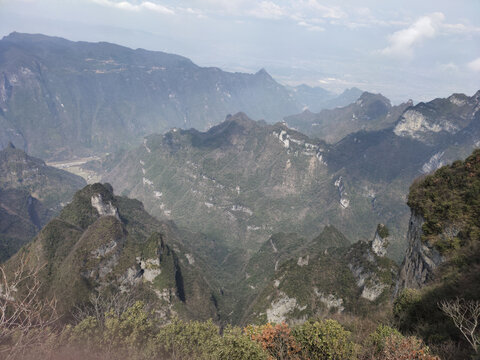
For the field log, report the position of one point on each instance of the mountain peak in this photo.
(371, 96)
(89, 203)
(476, 96)
(239, 117)
(263, 73)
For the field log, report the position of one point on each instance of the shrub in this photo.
(376, 341)
(398, 347)
(325, 339)
(382, 231)
(276, 340)
(406, 306)
(180, 339)
(237, 345)
(132, 329)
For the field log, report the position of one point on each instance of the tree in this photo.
(26, 317)
(466, 317)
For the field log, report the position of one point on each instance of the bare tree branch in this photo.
(466, 316)
(25, 317)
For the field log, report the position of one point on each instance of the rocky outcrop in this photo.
(368, 281)
(421, 259)
(365, 267)
(380, 242)
(104, 208)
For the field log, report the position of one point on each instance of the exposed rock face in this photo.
(433, 163)
(361, 264)
(104, 208)
(372, 287)
(420, 261)
(368, 112)
(414, 124)
(344, 202)
(279, 309)
(330, 301)
(379, 244)
(309, 279)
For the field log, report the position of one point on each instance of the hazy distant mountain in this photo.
(316, 98)
(368, 112)
(31, 193)
(59, 97)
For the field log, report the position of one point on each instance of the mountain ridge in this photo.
(31, 193)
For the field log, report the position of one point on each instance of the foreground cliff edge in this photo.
(443, 257)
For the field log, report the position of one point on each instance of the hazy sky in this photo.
(404, 49)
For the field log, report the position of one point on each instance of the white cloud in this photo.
(311, 12)
(268, 10)
(403, 41)
(331, 12)
(460, 29)
(474, 65)
(310, 27)
(128, 6)
(450, 67)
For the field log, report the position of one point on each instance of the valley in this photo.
(75, 167)
(142, 193)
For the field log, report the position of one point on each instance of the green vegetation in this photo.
(449, 201)
(382, 231)
(136, 333)
(325, 340)
(85, 254)
(333, 279)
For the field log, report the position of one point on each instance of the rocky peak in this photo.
(380, 240)
(90, 203)
(104, 208)
(431, 121)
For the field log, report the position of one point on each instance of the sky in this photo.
(404, 49)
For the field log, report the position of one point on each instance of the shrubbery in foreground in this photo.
(134, 334)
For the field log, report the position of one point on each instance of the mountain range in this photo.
(258, 179)
(366, 112)
(60, 99)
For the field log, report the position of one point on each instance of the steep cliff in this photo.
(421, 259)
(442, 261)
